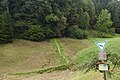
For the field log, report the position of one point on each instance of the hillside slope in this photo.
(22, 55)
(80, 51)
(87, 54)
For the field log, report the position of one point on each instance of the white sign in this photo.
(102, 56)
(103, 67)
(101, 45)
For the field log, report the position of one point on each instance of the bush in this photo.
(118, 30)
(98, 34)
(6, 30)
(112, 31)
(35, 33)
(38, 33)
(77, 33)
(107, 35)
(19, 31)
(5, 38)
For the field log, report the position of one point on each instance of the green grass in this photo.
(22, 55)
(87, 55)
(97, 34)
(72, 46)
(37, 57)
(40, 71)
(92, 75)
(64, 60)
(60, 49)
(63, 57)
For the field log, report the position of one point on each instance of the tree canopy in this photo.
(56, 18)
(104, 22)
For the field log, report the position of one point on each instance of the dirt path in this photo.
(64, 75)
(59, 75)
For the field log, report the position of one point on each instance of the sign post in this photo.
(102, 56)
(105, 78)
(101, 46)
(103, 66)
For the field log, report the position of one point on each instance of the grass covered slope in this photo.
(22, 55)
(72, 46)
(88, 54)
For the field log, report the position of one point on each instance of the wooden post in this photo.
(105, 78)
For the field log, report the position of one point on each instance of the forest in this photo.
(39, 20)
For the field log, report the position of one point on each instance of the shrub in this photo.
(104, 22)
(118, 30)
(77, 33)
(35, 33)
(6, 30)
(98, 34)
(19, 31)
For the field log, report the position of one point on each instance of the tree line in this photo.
(39, 20)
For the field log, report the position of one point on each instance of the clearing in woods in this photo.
(22, 55)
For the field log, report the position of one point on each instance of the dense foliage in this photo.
(104, 23)
(43, 19)
(6, 29)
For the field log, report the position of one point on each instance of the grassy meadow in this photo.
(22, 56)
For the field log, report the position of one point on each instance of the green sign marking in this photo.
(101, 45)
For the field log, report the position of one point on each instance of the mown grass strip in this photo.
(45, 70)
(61, 52)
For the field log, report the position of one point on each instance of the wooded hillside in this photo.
(39, 20)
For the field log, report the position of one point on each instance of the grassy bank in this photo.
(22, 55)
(27, 57)
(64, 60)
(88, 55)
